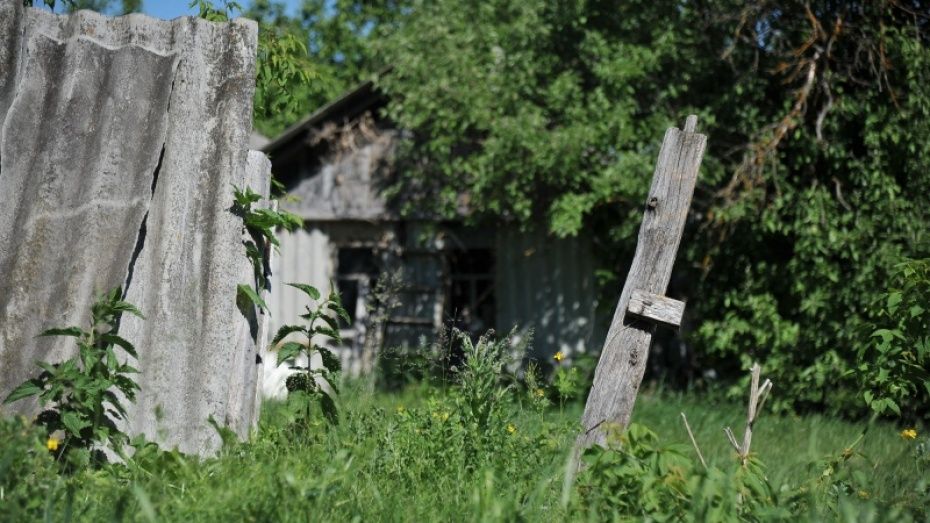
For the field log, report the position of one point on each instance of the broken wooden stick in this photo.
(693, 441)
(757, 396)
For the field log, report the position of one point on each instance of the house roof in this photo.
(352, 102)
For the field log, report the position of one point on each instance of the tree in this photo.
(549, 114)
(337, 35)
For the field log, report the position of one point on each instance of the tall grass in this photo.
(402, 457)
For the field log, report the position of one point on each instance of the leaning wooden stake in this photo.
(642, 302)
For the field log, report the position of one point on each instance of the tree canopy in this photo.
(815, 185)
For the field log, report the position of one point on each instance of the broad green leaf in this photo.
(309, 290)
(64, 331)
(249, 293)
(894, 299)
(284, 331)
(333, 324)
(112, 363)
(326, 331)
(74, 424)
(122, 306)
(29, 388)
(340, 311)
(893, 406)
(289, 350)
(330, 361)
(117, 340)
(47, 367)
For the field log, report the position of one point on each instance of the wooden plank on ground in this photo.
(623, 359)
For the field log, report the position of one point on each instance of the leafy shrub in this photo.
(894, 365)
(260, 223)
(480, 393)
(85, 406)
(469, 424)
(321, 320)
(637, 477)
(27, 470)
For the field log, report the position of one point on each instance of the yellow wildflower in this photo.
(400, 409)
(909, 433)
(863, 494)
(559, 356)
(540, 393)
(52, 444)
(511, 429)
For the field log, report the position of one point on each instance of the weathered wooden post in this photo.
(642, 303)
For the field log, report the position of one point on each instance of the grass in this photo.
(788, 445)
(393, 457)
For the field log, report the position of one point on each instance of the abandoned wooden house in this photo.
(334, 165)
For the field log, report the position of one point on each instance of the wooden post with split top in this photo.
(642, 303)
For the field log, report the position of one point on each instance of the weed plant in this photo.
(84, 394)
(483, 448)
(322, 320)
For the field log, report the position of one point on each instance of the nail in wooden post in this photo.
(623, 358)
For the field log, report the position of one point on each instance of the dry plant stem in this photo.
(751, 414)
(693, 441)
(757, 396)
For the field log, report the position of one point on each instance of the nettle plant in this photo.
(84, 391)
(321, 320)
(260, 223)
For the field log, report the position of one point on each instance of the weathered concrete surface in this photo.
(120, 141)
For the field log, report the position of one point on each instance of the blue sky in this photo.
(168, 9)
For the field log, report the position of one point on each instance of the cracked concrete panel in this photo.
(169, 236)
(10, 27)
(193, 248)
(80, 144)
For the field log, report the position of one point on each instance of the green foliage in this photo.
(412, 457)
(894, 366)
(208, 10)
(322, 319)
(85, 391)
(638, 477)
(471, 450)
(27, 470)
(569, 384)
(480, 393)
(284, 71)
(814, 183)
(328, 45)
(261, 224)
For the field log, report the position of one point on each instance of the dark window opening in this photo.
(356, 270)
(471, 302)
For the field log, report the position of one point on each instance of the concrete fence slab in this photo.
(120, 141)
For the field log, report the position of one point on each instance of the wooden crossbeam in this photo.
(651, 306)
(623, 359)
